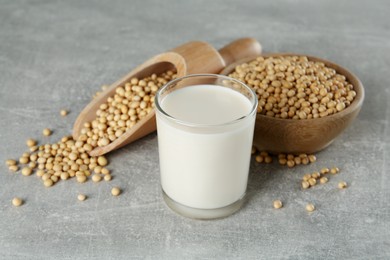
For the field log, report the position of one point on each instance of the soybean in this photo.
(323, 180)
(13, 168)
(10, 162)
(305, 184)
(342, 185)
(115, 191)
(278, 204)
(31, 142)
(96, 178)
(26, 171)
(17, 202)
(48, 183)
(46, 132)
(310, 207)
(81, 197)
(334, 170)
(295, 87)
(63, 112)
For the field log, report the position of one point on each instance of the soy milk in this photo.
(205, 145)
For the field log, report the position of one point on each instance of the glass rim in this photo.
(253, 109)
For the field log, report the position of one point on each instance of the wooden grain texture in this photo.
(190, 58)
(278, 135)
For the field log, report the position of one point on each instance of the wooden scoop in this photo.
(190, 58)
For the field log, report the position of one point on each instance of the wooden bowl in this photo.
(278, 135)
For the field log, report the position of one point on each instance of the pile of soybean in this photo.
(69, 158)
(294, 88)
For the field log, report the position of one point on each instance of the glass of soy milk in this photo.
(205, 126)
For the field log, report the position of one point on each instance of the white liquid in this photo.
(205, 167)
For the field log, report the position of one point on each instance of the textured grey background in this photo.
(56, 54)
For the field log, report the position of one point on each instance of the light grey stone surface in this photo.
(56, 54)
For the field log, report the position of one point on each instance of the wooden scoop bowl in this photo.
(305, 135)
(190, 58)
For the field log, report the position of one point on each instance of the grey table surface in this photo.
(57, 54)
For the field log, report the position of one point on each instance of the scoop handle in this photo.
(240, 49)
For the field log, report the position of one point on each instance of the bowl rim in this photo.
(358, 87)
